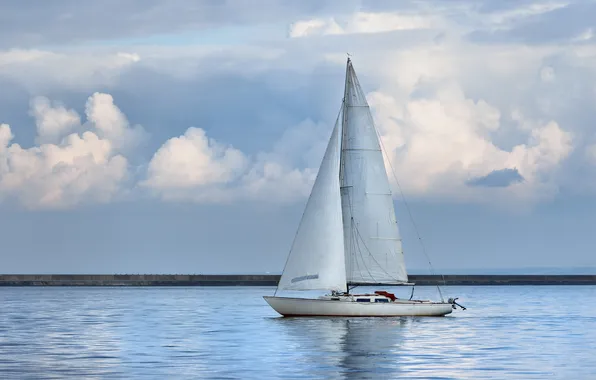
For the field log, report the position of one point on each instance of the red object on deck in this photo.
(391, 296)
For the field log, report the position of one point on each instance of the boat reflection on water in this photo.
(346, 348)
(379, 348)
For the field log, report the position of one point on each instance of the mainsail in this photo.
(316, 260)
(348, 233)
(373, 248)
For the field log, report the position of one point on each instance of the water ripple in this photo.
(231, 333)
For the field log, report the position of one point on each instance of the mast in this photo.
(342, 187)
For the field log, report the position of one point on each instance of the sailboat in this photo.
(348, 235)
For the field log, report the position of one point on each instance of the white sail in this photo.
(316, 260)
(371, 236)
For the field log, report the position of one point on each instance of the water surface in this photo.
(517, 332)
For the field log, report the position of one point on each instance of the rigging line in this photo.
(354, 239)
(355, 259)
(410, 213)
(374, 259)
(353, 262)
(356, 245)
(352, 258)
(362, 257)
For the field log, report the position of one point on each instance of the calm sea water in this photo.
(516, 332)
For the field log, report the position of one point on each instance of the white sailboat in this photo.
(348, 235)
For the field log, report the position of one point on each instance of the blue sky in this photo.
(184, 136)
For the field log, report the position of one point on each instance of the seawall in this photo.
(269, 280)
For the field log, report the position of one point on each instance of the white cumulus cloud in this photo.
(53, 122)
(438, 143)
(192, 165)
(196, 168)
(111, 124)
(78, 168)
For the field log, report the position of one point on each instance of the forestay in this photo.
(316, 260)
(371, 237)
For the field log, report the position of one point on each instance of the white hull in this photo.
(301, 307)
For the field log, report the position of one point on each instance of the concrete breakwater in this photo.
(269, 280)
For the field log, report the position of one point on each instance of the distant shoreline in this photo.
(270, 280)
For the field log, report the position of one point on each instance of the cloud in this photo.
(271, 181)
(544, 23)
(194, 168)
(52, 122)
(54, 23)
(450, 110)
(360, 22)
(49, 176)
(65, 171)
(184, 165)
(111, 124)
(40, 70)
(165, 21)
(497, 178)
(88, 162)
(511, 16)
(287, 172)
(438, 142)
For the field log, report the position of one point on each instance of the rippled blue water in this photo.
(516, 332)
